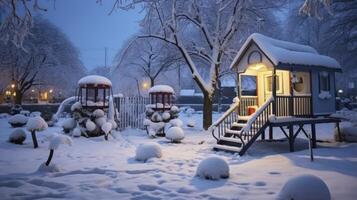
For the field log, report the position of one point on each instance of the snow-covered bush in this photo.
(36, 124)
(68, 125)
(18, 136)
(156, 117)
(305, 187)
(175, 134)
(166, 116)
(155, 128)
(18, 120)
(147, 151)
(348, 132)
(100, 121)
(76, 106)
(25, 112)
(90, 125)
(213, 168)
(35, 114)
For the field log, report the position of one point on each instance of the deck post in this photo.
(263, 135)
(274, 90)
(313, 135)
(270, 133)
(291, 138)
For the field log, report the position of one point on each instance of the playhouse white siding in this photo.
(323, 106)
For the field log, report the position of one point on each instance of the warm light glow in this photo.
(14, 94)
(13, 85)
(51, 90)
(145, 85)
(257, 66)
(340, 91)
(32, 90)
(8, 92)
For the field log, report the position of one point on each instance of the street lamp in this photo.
(145, 85)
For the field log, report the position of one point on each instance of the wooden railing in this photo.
(298, 106)
(245, 102)
(219, 127)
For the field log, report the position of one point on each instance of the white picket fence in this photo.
(131, 111)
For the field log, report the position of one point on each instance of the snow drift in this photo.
(147, 151)
(213, 168)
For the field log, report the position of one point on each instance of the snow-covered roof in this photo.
(283, 52)
(94, 79)
(161, 88)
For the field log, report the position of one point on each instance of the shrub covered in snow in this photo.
(68, 125)
(175, 134)
(305, 187)
(35, 124)
(35, 114)
(76, 106)
(25, 112)
(100, 121)
(176, 122)
(18, 120)
(213, 168)
(90, 125)
(106, 128)
(147, 151)
(18, 136)
(98, 113)
(76, 132)
(348, 132)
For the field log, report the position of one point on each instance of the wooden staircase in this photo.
(236, 133)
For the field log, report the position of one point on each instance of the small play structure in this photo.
(161, 111)
(161, 97)
(280, 84)
(93, 92)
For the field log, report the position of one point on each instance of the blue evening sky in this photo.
(90, 27)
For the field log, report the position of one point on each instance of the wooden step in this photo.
(230, 149)
(228, 141)
(244, 118)
(233, 132)
(236, 124)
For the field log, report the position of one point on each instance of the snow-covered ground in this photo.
(95, 168)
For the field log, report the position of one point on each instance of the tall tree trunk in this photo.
(207, 110)
(18, 97)
(152, 82)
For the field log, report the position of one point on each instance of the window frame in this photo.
(327, 81)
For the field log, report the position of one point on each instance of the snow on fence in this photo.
(131, 111)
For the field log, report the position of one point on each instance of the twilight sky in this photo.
(90, 27)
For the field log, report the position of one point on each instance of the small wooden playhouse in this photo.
(280, 84)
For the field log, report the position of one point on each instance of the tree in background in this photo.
(49, 59)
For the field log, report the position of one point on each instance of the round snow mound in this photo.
(147, 151)
(213, 168)
(175, 134)
(18, 136)
(305, 187)
(18, 120)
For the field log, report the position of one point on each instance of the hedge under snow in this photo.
(305, 187)
(213, 168)
(18, 119)
(147, 151)
(18, 136)
(59, 139)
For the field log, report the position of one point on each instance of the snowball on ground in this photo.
(98, 113)
(191, 122)
(76, 106)
(176, 122)
(348, 132)
(94, 79)
(305, 187)
(147, 151)
(162, 88)
(69, 124)
(18, 136)
(76, 132)
(48, 169)
(213, 168)
(106, 127)
(59, 139)
(36, 124)
(100, 121)
(175, 134)
(90, 125)
(18, 119)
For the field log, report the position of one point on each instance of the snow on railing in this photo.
(254, 117)
(232, 108)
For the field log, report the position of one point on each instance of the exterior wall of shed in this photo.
(323, 106)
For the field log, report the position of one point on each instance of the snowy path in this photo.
(94, 168)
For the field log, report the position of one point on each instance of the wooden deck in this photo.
(290, 122)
